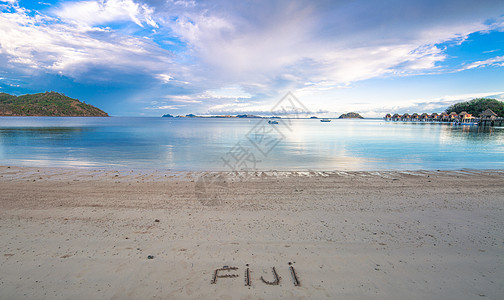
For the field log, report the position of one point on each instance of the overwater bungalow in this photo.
(396, 117)
(464, 117)
(488, 115)
(486, 118)
(424, 117)
(443, 117)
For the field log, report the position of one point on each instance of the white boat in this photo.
(325, 120)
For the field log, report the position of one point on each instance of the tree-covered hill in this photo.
(46, 104)
(477, 106)
(351, 115)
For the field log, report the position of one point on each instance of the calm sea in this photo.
(235, 144)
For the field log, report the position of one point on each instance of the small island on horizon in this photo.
(217, 116)
(351, 115)
(48, 104)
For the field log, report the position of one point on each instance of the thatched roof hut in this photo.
(488, 114)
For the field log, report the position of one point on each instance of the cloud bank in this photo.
(262, 48)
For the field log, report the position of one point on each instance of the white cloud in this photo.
(164, 107)
(465, 97)
(496, 61)
(165, 78)
(284, 44)
(492, 51)
(183, 99)
(236, 107)
(99, 12)
(230, 92)
(39, 42)
(259, 49)
(437, 104)
(235, 48)
(344, 66)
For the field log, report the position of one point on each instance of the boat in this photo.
(272, 122)
(325, 120)
(458, 123)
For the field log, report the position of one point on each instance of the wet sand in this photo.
(88, 234)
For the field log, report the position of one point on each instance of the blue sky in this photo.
(152, 57)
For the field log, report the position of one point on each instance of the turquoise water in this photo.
(235, 144)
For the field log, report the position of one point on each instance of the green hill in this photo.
(477, 106)
(350, 115)
(46, 104)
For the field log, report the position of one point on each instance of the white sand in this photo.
(82, 234)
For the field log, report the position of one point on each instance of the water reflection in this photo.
(199, 144)
(42, 132)
(475, 134)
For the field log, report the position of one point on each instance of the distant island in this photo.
(350, 115)
(218, 117)
(248, 116)
(49, 104)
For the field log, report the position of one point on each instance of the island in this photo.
(351, 115)
(50, 104)
(248, 116)
(477, 106)
(245, 116)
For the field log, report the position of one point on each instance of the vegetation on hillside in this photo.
(477, 106)
(46, 104)
(351, 115)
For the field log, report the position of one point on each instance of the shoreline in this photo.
(125, 170)
(79, 233)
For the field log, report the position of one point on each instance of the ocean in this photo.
(226, 144)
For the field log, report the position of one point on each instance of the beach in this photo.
(68, 233)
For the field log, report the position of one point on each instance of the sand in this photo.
(88, 234)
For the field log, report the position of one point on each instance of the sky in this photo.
(155, 57)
